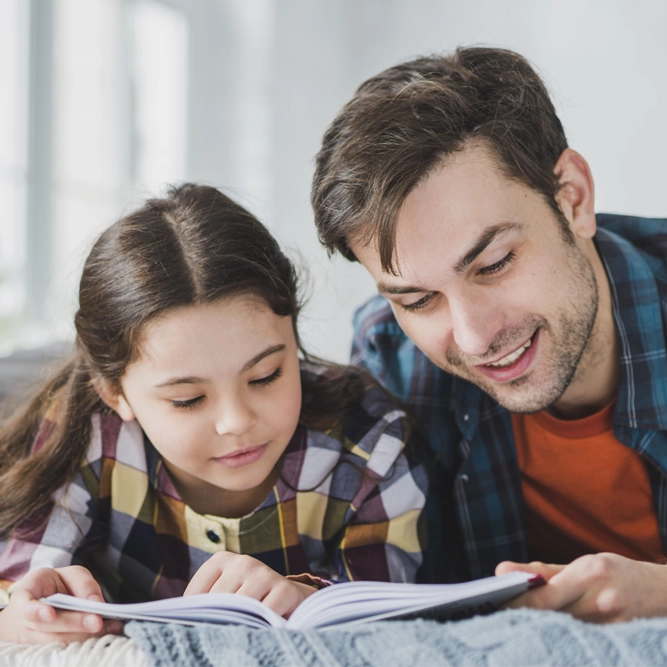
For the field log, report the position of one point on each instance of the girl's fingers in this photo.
(39, 583)
(25, 602)
(28, 619)
(204, 578)
(213, 582)
(227, 582)
(223, 573)
(257, 588)
(43, 582)
(80, 583)
(63, 623)
(281, 601)
(67, 622)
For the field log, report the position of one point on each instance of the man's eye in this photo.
(190, 403)
(417, 305)
(498, 266)
(262, 382)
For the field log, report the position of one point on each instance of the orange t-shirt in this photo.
(584, 491)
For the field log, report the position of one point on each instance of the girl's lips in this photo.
(242, 457)
(518, 368)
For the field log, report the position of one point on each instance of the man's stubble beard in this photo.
(569, 338)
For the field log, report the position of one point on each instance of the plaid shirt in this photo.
(475, 507)
(346, 507)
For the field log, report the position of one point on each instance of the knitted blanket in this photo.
(513, 638)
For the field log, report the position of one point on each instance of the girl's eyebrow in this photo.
(183, 380)
(262, 355)
(195, 380)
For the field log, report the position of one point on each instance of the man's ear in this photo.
(577, 194)
(114, 399)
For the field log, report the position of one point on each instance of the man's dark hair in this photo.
(402, 123)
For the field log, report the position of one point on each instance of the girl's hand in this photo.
(227, 572)
(26, 620)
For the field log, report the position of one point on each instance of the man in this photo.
(526, 333)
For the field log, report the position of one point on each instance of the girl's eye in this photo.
(262, 382)
(417, 305)
(190, 403)
(498, 266)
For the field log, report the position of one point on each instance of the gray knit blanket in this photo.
(511, 638)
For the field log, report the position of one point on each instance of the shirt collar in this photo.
(642, 391)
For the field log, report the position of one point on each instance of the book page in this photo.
(190, 610)
(347, 603)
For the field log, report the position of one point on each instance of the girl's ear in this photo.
(115, 400)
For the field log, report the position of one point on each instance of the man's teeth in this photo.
(511, 358)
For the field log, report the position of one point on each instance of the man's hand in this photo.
(26, 620)
(602, 588)
(227, 572)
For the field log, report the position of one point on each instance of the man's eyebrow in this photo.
(383, 288)
(485, 240)
(195, 380)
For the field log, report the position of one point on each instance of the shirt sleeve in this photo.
(382, 538)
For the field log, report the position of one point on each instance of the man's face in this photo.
(489, 286)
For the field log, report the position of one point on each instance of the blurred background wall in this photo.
(102, 102)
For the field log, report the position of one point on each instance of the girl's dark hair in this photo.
(194, 246)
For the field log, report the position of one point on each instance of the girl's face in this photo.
(218, 392)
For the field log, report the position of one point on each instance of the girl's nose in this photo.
(235, 418)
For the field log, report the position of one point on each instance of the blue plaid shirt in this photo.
(475, 507)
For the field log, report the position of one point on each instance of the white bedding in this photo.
(109, 651)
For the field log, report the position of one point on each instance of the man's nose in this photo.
(475, 323)
(235, 417)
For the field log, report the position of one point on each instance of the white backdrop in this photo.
(237, 93)
(603, 60)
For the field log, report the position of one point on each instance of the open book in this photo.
(334, 606)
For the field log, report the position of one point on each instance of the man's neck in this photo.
(595, 382)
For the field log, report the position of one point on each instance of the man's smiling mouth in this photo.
(512, 365)
(512, 357)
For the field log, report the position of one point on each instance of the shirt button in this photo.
(213, 536)
(465, 418)
(463, 478)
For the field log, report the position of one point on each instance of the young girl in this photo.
(186, 448)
